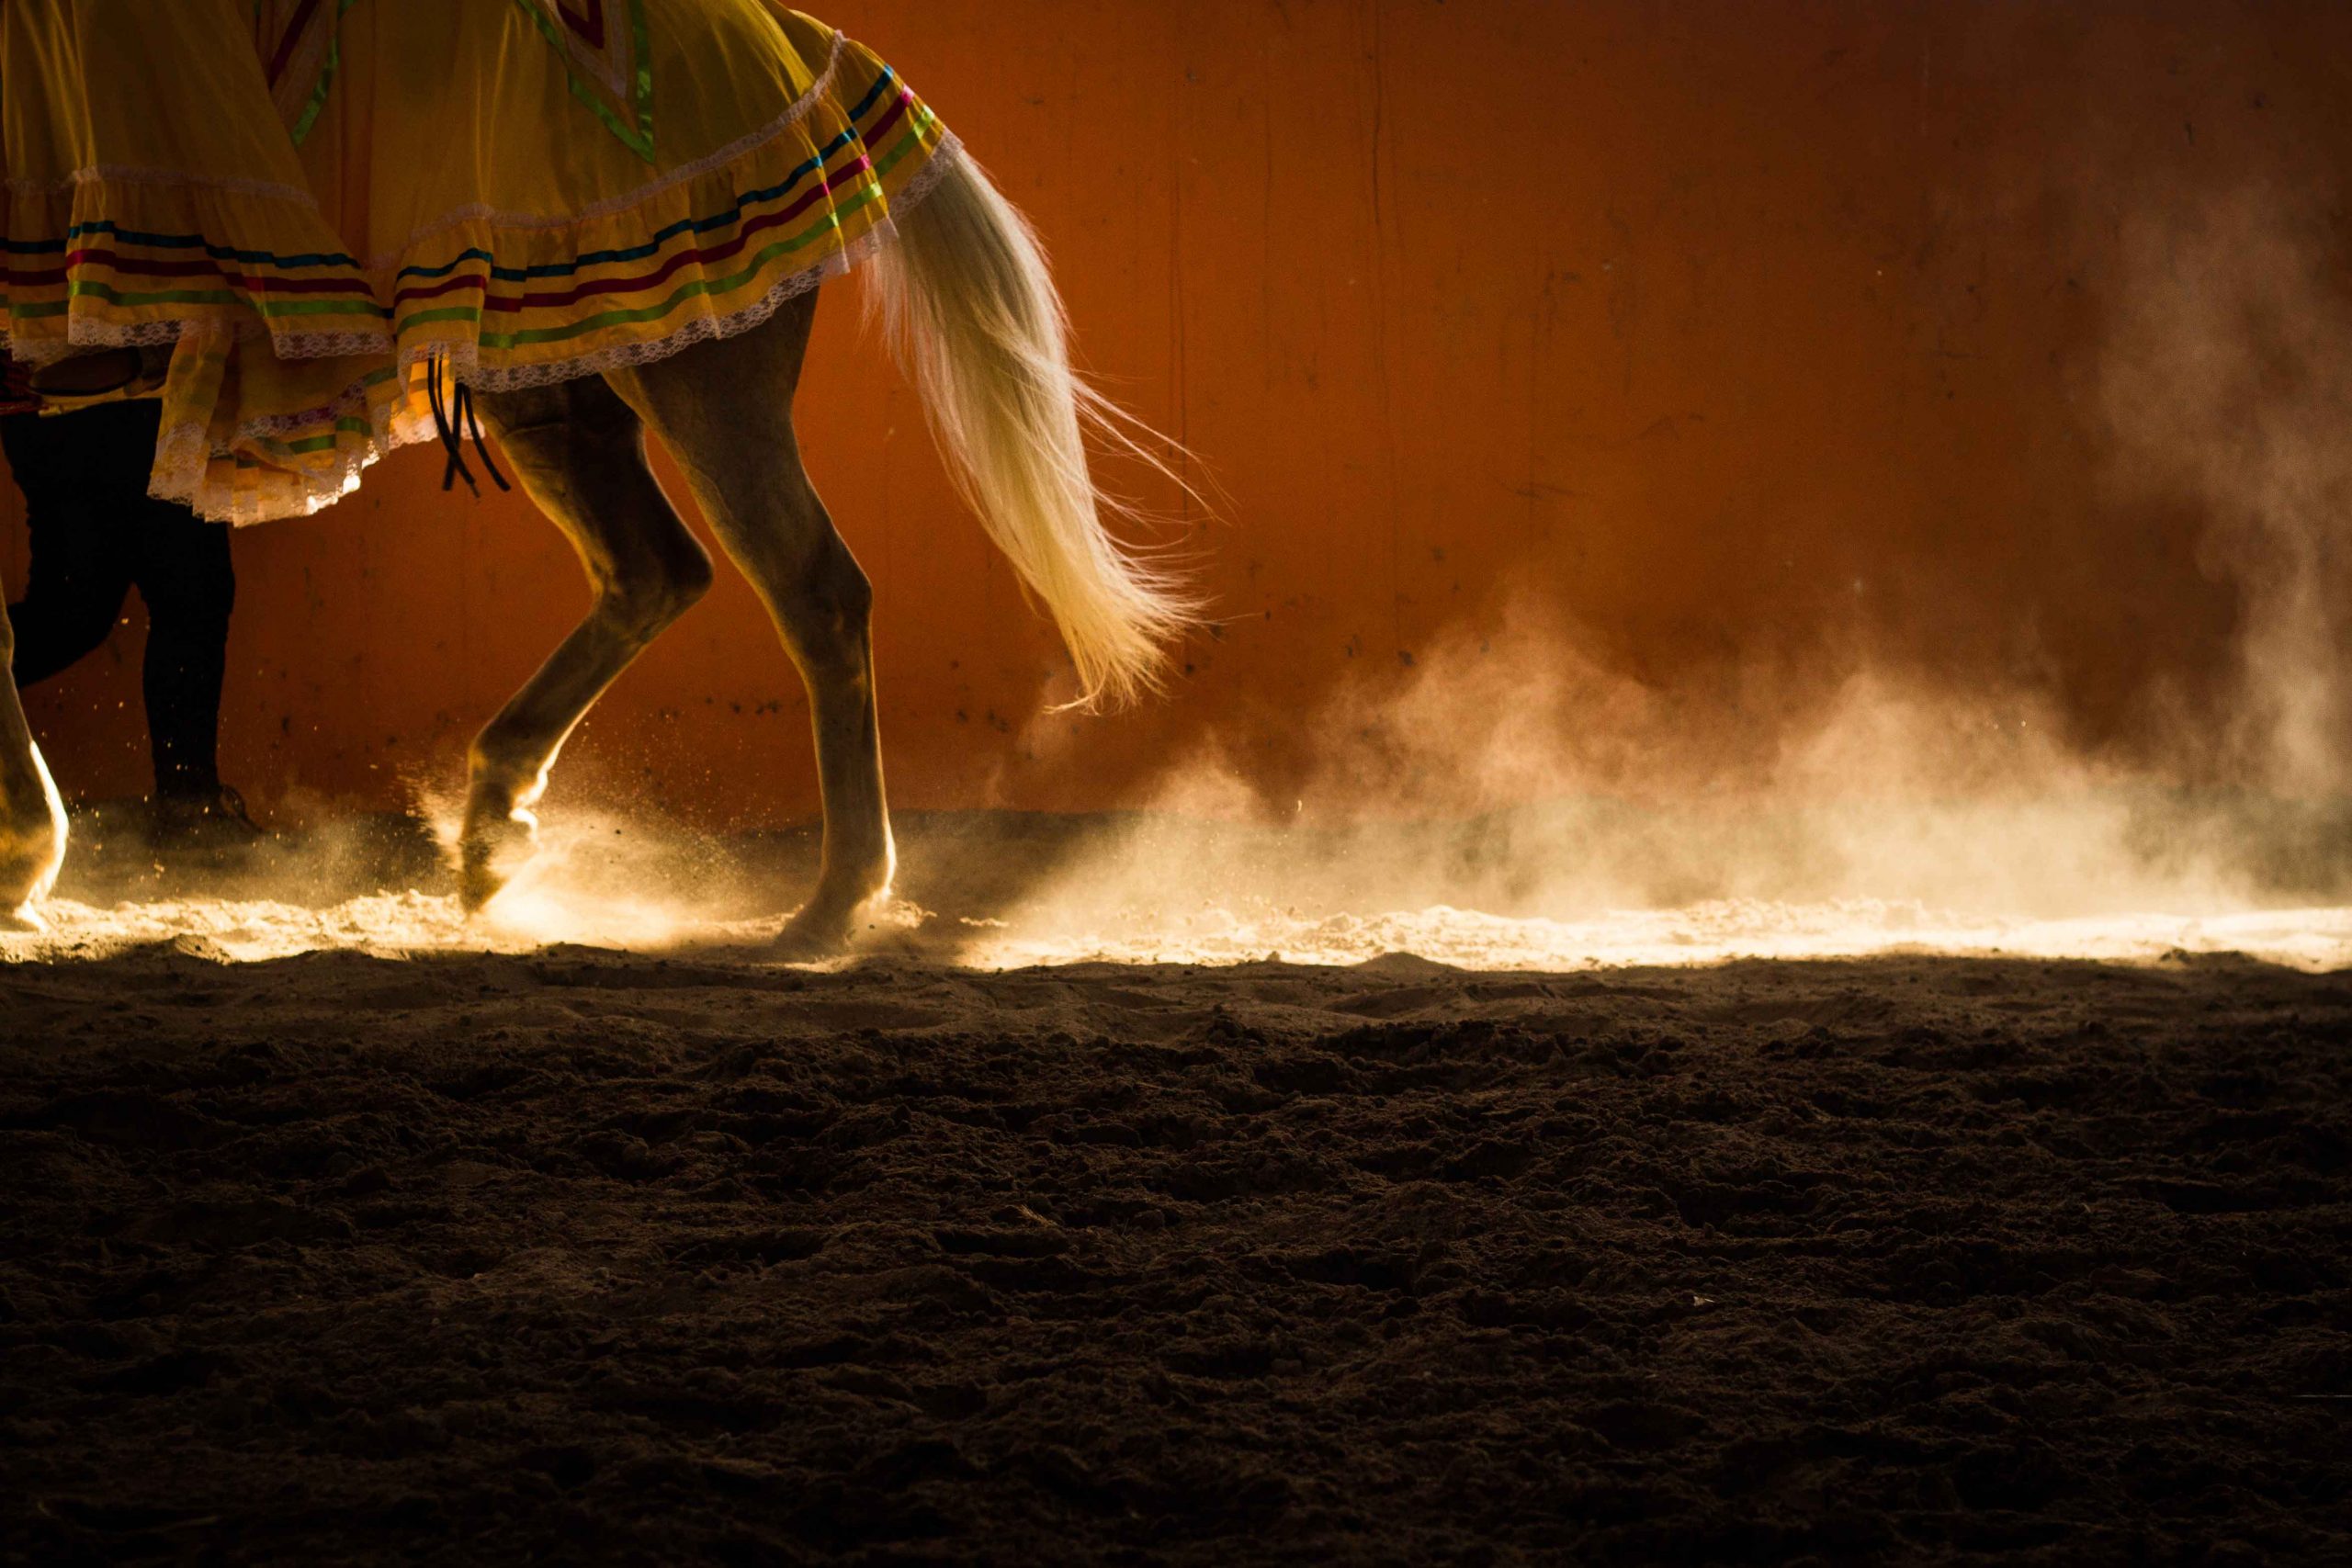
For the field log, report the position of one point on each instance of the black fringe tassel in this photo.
(454, 419)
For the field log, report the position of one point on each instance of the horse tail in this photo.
(976, 322)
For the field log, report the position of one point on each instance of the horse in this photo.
(967, 303)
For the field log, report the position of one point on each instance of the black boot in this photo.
(205, 824)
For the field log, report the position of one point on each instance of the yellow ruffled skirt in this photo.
(332, 210)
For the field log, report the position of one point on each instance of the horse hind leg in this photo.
(579, 452)
(32, 818)
(724, 409)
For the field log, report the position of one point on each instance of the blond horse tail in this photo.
(974, 318)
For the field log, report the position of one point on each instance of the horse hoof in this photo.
(814, 934)
(478, 884)
(26, 879)
(492, 848)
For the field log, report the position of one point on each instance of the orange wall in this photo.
(1749, 336)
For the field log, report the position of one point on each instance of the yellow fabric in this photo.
(315, 200)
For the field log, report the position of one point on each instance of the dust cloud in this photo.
(2227, 387)
(1514, 803)
(1516, 807)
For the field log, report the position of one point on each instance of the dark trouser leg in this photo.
(185, 576)
(73, 472)
(96, 531)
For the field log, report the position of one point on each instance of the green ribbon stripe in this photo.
(264, 307)
(346, 426)
(310, 115)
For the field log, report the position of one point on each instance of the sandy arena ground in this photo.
(568, 1253)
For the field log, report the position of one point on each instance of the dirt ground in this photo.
(577, 1254)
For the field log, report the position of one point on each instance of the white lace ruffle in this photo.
(351, 400)
(82, 332)
(183, 457)
(329, 346)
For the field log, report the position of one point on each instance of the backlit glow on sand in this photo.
(1705, 934)
(394, 924)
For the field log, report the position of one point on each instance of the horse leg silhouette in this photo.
(969, 307)
(724, 409)
(579, 451)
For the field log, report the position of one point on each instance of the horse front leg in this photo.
(32, 818)
(580, 453)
